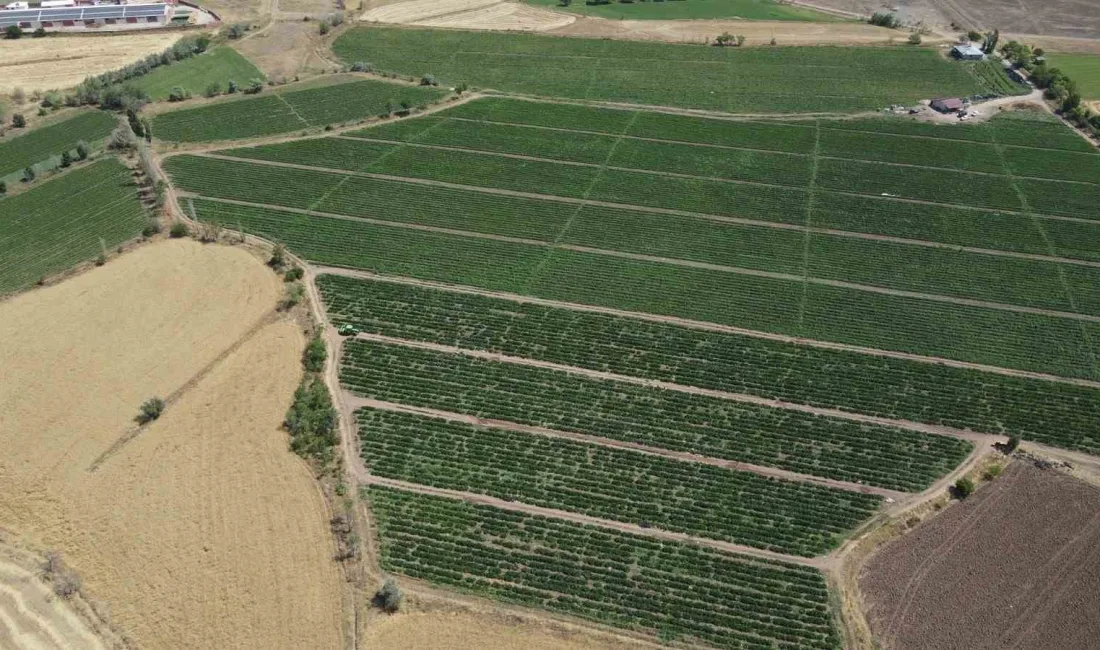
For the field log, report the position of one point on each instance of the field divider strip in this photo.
(321, 269)
(810, 189)
(699, 215)
(656, 533)
(293, 110)
(706, 266)
(356, 402)
(680, 388)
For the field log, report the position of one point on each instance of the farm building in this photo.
(951, 105)
(968, 52)
(87, 17)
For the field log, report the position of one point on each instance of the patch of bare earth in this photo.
(1017, 565)
(756, 32)
(285, 50)
(203, 530)
(469, 14)
(64, 61)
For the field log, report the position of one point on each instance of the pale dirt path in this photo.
(355, 403)
(702, 325)
(656, 533)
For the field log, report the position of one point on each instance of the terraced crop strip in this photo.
(629, 486)
(710, 426)
(676, 590)
(18, 151)
(220, 65)
(749, 80)
(1056, 413)
(288, 110)
(65, 221)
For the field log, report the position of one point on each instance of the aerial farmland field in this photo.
(47, 143)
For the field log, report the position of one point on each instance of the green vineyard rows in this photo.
(628, 486)
(828, 447)
(629, 581)
(1058, 414)
(65, 221)
(47, 142)
(291, 110)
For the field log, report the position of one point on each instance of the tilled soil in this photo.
(1017, 565)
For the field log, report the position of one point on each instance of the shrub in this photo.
(323, 28)
(278, 257)
(178, 94)
(13, 32)
(973, 36)
(964, 487)
(122, 139)
(151, 409)
(428, 80)
(255, 86)
(915, 38)
(101, 260)
(52, 100)
(151, 228)
(314, 358)
(81, 150)
(311, 420)
(294, 295)
(232, 87)
(18, 121)
(362, 66)
(293, 274)
(28, 174)
(885, 19)
(1013, 443)
(64, 581)
(993, 472)
(40, 32)
(178, 230)
(213, 90)
(3, 187)
(236, 30)
(388, 598)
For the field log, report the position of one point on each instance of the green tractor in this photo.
(347, 329)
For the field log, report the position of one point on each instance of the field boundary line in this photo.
(293, 110)
(706, 266)
(810, 189)
(576, 517)
(700, 215)
(357, 402)
(321, 269)
(908, 425)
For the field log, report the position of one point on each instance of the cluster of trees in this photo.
(1058, 87)
(726, 39)
(885, 19)
(335, 20)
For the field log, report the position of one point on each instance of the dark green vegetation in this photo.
(598, 481)
(65, 221)
(1082, 68)
(289, 110)
(679, 421)
(217, 66)
(751, 80)
(1054, 413)
(687, 10)
(21, 150)
(675, 590)
(311, 420)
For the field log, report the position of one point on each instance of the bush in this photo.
(885, 19)
(64, 581)
(915, 38)
(3, 187)
(178, 230)
(293, 274)
(81, 150)
(213, 90)
(151, 409)
(993, 472)
(18, 121)
(294, 295)
(311, 420)
(151, 228)
(314, 358)
(178, 94)
(388, 598)
(428, 80)
(13, 32)
(323, 28)
(40, 32)
(255, 86)
(232, 87)
(1013, 443)
(964, 487)
(66, 159)
(28, 174)
(278, 257)
(236, 30)
(361, 66)
(973, 36)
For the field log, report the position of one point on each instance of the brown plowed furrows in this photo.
(1004, 569)
(355, 402)
(694, 390)
(514, 506)
(702, 325)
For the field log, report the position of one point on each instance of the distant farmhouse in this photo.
(968, 52)
(68, 15)
(951, 105)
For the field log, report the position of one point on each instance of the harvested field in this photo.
(446, 631)
(204, 515)
(510, 16)
(1015, 566)
(283, 50)
(64, 61)
(32, 616)
(756, 32)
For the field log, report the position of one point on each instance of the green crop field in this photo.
(689, 10)
(219, 65)
(288, 110)
(751, 80)
(1082, 68)
(595, 480)
(65, 221)
(604, 576)
(45, 144)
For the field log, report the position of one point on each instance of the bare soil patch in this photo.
(203, 517)
(64, 61)
(469, 14)
(1017, 565)
(285, 50)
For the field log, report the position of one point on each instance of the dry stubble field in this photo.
(204, 516)
(1015, 566)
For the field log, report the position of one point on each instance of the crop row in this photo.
(990, 336)
(669, 588)
(679, 421)
(45, 142)
(731, 79)
(287, 111)
(629, 486)
(66, 220)
(1055, 413)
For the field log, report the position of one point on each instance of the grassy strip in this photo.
(218, 66)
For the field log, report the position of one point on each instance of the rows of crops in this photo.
(833, 448)
(65, 221)
(219, 66)
(789, 79)
(47, 142)
(1014, 340)
(288, 110)
(676, 590)
(1059, 414)
(628, 486)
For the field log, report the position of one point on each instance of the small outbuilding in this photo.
(950, 105)
(968, 52)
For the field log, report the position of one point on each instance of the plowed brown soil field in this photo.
(1016, 566)
(203, 531)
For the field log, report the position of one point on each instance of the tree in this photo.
(13, 32)
(314, 358)
(178, 94)
(236, 30)
(323, 28)
(145, 126)
(255, 86)
(18, 121)
(278, 257)
(3, 187)
(231, 87)
(989, 46)
(81, 150)
(40, 32)
(915, 38)
(122, 139)
(565, 3)
(428, 80)
(179, 230)
(391, 107)
(973, 36)
(1013, 443)
(885, 19)
(389, 597)
(964, 487)
(28, 174)
(150, 410)
(213, 89)
(66, 159)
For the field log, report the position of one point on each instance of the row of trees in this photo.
(1057, 85)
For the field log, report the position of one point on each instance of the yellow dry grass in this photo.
(203, 531)
(447, 631)
(32, 617)
(64, 61)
